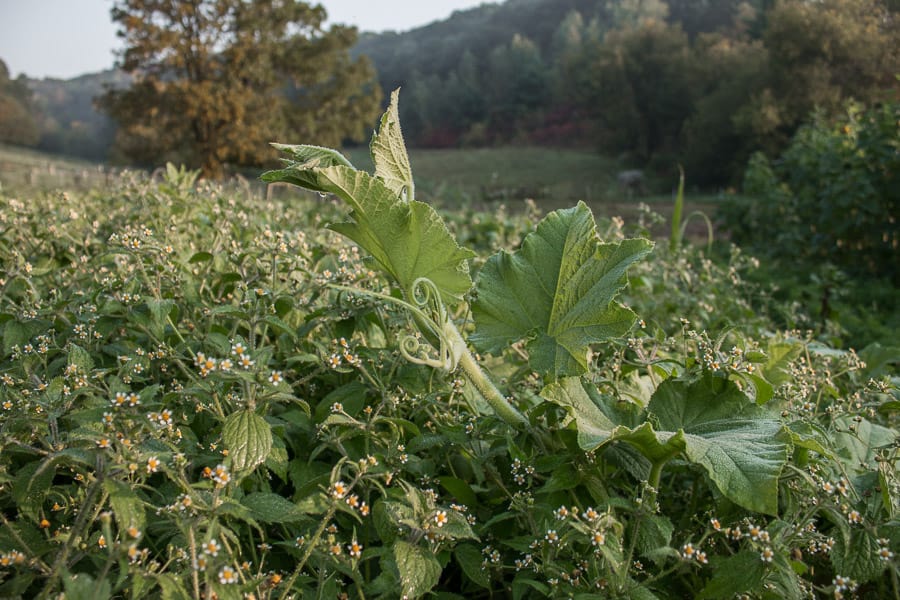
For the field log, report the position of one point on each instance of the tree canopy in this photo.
(17, 122)
(217, 80)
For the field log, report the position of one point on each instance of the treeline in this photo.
(700, 83)
(59, 116)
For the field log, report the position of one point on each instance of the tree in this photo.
(820, 55)
(633, 83)
(217, 80)
(17, 122)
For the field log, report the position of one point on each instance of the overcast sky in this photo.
(67, 38)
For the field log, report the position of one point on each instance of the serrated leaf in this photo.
(271, 508)
(248, 438)
(709, 421)
(419, 570)
(127, 508)
(556, 292)
(300, 171)
(457, 527)
(389, 152)
(653, 536)
(596, 419)
(408, 239)
(469, 558)
(742, 450)
(857, 557)
(80, 358)
(736, 574)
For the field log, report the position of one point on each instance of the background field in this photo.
(481, 178)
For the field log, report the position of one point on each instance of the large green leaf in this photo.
(248, 438)
(741, 448)
(408, 239)
(557, 292)
(419, 569)
(389, 153)
(709, 421)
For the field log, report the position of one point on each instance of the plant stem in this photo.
(195, 580)
(310, 546)
(656, 473)
(74, 536)
(460, 352)
(480, 380)
(675, 236)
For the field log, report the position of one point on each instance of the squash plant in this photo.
(207, 394)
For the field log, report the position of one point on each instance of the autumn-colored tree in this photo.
(17, 122)
(216, 80)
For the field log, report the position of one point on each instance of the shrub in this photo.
(834, 195)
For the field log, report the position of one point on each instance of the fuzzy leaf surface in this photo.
(419, 569)
(248, 438)
(300, 169)
(556, 292)
(408, 239)
(709, 421)
(389, 152)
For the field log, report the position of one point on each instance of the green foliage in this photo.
(556, 292)
(832, 196)
(203, 393)
(17, 114)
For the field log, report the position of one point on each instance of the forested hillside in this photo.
(656, 83)
(69, 121)
(651, 83)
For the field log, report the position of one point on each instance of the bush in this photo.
(833, 196)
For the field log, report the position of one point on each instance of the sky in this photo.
(67, 38)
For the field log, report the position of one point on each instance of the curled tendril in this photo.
(426, 294)
(427, 298)
(416, 352)
(429, 313)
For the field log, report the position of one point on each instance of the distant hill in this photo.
(70, 124)
(437, 48)
(494, 73)
(482, 76)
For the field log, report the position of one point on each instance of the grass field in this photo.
(449, 178)
(554, 178)
(22, 168)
